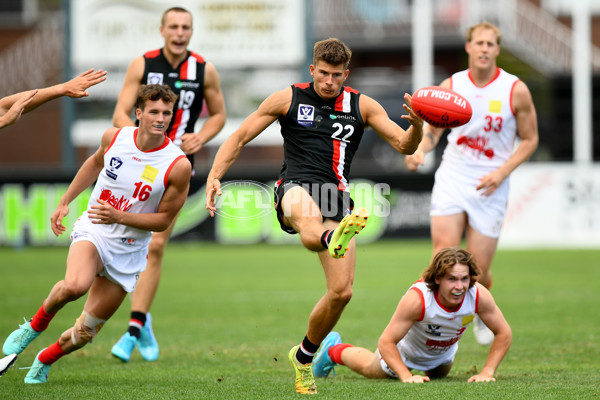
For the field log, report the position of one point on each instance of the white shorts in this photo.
(446, 358)
(124, 269)
(454, 192)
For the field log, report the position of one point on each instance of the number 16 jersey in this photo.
(321, 136)
(133, 181)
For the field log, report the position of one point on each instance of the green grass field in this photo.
(226, 317)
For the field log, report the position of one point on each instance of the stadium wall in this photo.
(550, 205)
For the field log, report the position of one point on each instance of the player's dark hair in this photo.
(154, 92)
(446, 259)
(484, 25)
(333, 51)
(174, 9)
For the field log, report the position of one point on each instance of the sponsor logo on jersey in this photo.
(114, 164)
(149, 174)
(467, 320)
(122, 204)
(187, 84)
(128, 241)
(495, 106)
(342, 116)
(154, 78)
(173, 75)
(306, 114)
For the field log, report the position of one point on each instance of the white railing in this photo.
(35, 60)
(530, 32)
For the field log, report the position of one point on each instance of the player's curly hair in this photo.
(484, 25)
(154, 92)
(446, 259)
(333, 51)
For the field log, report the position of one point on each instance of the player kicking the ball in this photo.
(322, 123)
(142, 180)
(470, 192)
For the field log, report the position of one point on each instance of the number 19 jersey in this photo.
(186, 81)
(321, 136)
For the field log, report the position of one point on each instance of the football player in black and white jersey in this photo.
(322, 123)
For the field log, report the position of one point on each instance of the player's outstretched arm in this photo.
(376, 117)
(215, 104)
(408, 311)
(277, 104)
(11, 107)
(85, 177)
(128, 95)
(76, 88)
(491, 315)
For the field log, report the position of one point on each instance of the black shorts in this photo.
(334, 204)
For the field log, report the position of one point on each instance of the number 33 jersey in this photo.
(133, 181)
(321, 136)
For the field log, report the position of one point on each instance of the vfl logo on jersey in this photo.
(115, 164)
(155, 78)
(434, 330)
(306, 115)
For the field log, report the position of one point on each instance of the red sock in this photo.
(51, 354)
(335, 352)
(41, 319)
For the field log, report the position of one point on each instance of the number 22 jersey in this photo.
(321, 136)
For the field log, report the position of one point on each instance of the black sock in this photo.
(136, 322)
(306, 352)
(326, 238)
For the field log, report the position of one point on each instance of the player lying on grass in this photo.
(424, 331)
(142, 180)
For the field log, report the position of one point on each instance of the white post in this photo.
(422, 56)
(582, 83)
(422, 44)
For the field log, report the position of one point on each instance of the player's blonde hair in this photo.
(333, 51)
(446, 259)
(484, 25)
(174, 9)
